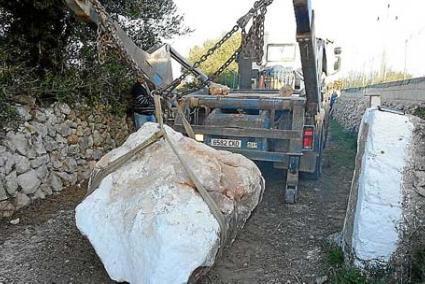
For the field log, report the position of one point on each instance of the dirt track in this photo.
(280, 243)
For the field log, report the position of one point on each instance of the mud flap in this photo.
(291, 188)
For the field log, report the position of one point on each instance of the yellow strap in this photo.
(214, 209)
(186, 124)
(98, 174)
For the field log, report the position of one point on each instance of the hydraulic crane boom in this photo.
(310, 49)
(154, 65)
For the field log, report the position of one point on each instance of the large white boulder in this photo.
(384, 194)
(147, 222)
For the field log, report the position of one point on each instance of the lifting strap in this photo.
(214, 209)
(187, 127)
(98, 173)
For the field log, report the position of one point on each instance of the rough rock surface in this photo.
(146, 220)
(385, 185)
(52, 147)
(406, 96)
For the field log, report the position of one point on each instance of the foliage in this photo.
(150, 21)
(336, 257)
(42, 30)
(418, 269)
(47, 53)
(8, 114)
(216, 60)
(357, 79)
(39, 31)
(345, 145)
(108, 84)
(340, 273)
(349, 276)
(420, 112)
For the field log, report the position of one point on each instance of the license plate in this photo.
(226, 143)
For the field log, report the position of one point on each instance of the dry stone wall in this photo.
(53, 148)
(404, 95)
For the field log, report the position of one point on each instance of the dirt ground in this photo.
(279, 244)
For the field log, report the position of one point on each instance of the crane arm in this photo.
(153, 65)
(311, 50)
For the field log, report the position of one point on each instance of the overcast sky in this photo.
(353, 24)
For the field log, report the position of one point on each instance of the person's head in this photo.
(146, 83)
(140, 80)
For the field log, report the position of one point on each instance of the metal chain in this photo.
(166, 91)
(108, 40)
(255, 37)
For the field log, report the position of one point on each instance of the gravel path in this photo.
(280, 243)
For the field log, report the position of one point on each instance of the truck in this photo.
(255, 121)
(264, 124)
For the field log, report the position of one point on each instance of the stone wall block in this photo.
(47, 189)
(6, 209)
(42, 172)
(17, 142)
(40, 116)
(40, 128)
(22, 164)
(52, 148)
(12, 183)
(22, 200)
(55, 182)
(39, 161)
(3, 193)
(70, 165)
(29, 182)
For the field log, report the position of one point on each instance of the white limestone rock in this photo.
(383, 198)
(147, 222)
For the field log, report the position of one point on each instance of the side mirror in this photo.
(337, 65)
(338, 50)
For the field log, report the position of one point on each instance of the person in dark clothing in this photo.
(334, 97)
(144, 105)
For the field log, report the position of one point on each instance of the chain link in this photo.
(255, 38)
(108, 40)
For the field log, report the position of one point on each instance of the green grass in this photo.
(418, 267)
(420, 112)
(344, 146)
(349, 276)
(340, 273)
(342, 136)
(336, 257)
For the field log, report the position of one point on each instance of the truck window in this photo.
(280, 52)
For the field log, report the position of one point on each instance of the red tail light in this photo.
(308, 138)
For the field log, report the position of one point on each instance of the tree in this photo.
(218, 58)
(358, 79)
(150, 20)
(40, 31)
(44, 36)
(36, 31)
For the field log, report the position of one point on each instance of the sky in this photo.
(367, 30)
